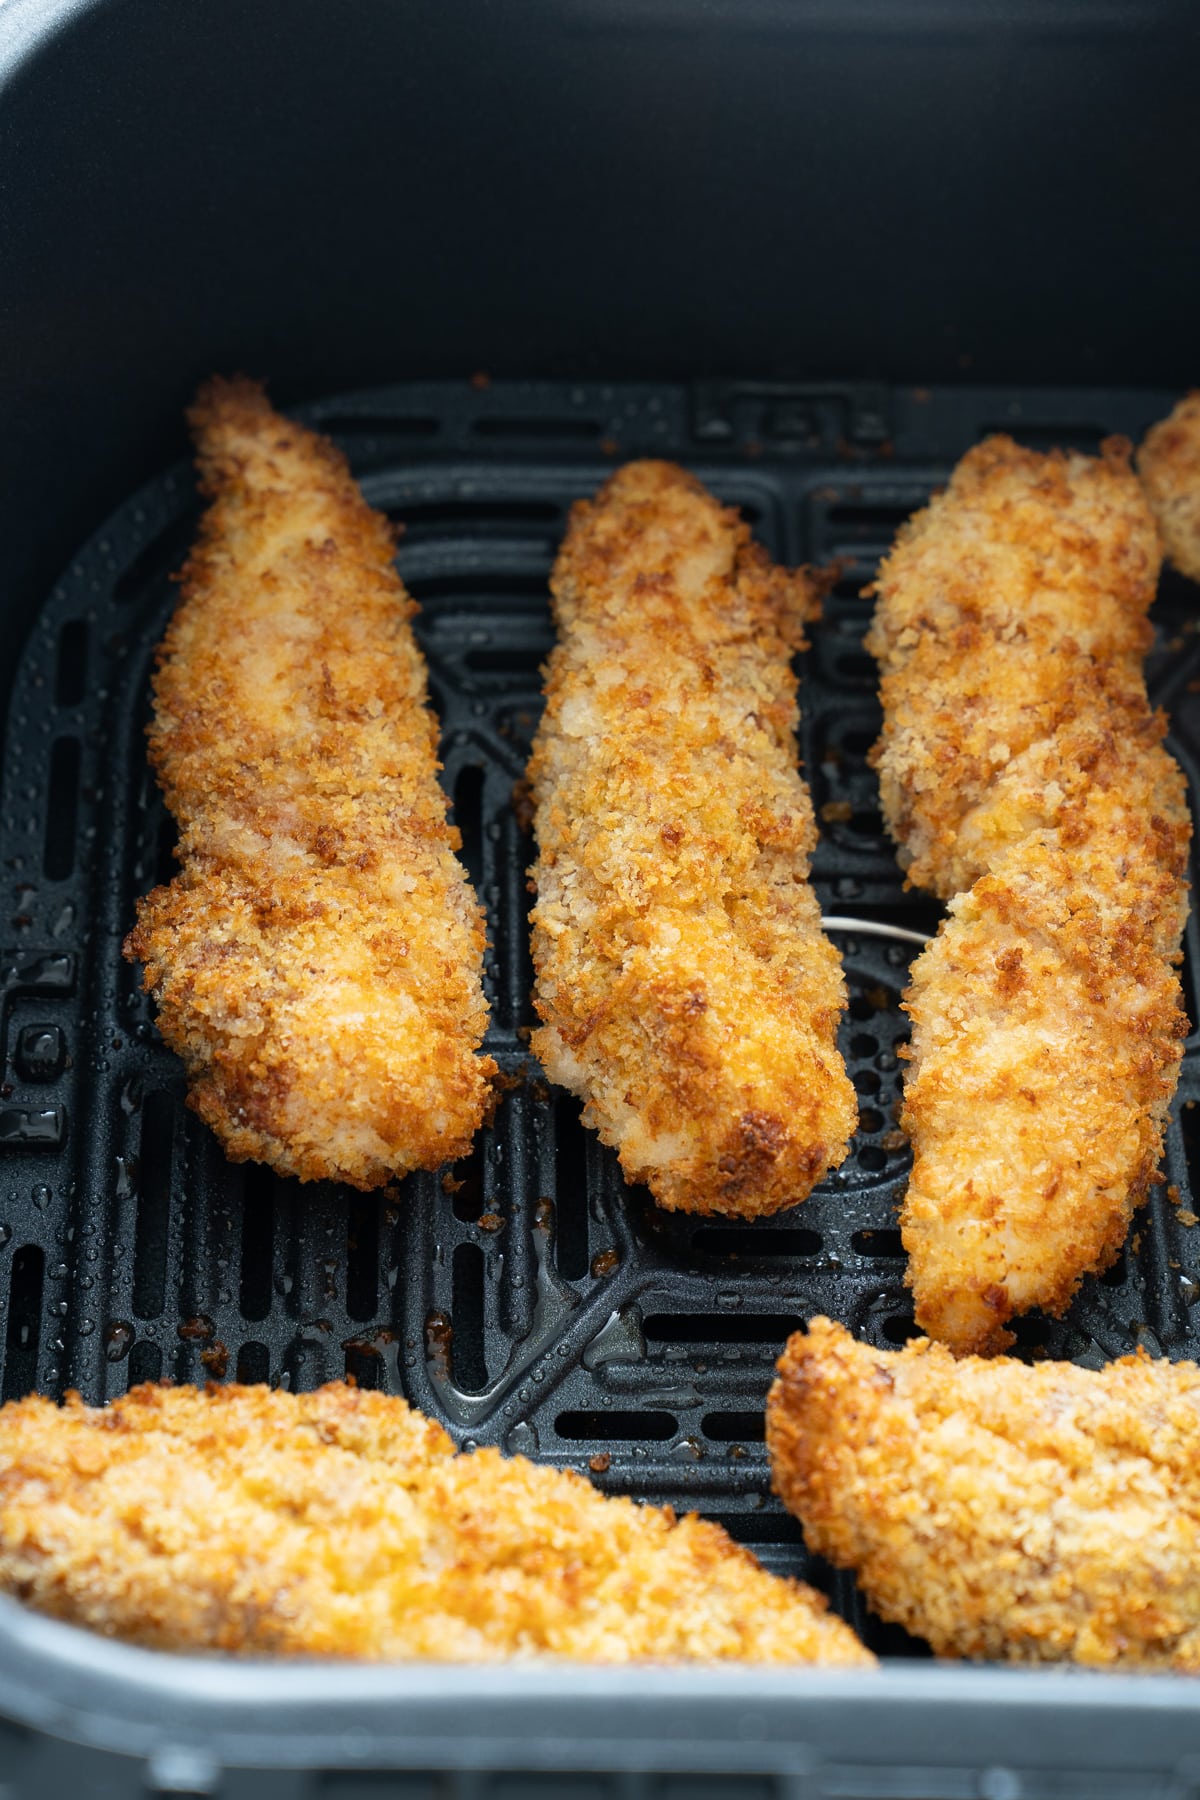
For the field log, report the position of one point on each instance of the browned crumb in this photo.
(1022, 770)
(687, 991)
(317, 961)
(1169, 465)
(342, 1524)
(1013, 605)
(1037, 1514)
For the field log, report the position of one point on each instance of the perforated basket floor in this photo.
(526, 1297)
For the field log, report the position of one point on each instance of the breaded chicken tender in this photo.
(317, 962)
(688, 994)
(1023, 773)
(342, 1524)
(1012, 604)
(1169, 465)
(1043, 1514)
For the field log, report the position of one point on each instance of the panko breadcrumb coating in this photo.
(688, 993)
(1022, 771)
(342, 1524)
(317, 961)
(1169, 465)
(1042, 1514)
(1009, 606)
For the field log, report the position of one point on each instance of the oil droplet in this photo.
(41, 1195)
(5, 1235)
(439, 1338)
(118, 1340)
(605, 1262)
(619, 1340)
(688, 1449)
(198, 1330)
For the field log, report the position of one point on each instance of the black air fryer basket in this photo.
(812, 250)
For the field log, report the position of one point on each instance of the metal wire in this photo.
(874, 928)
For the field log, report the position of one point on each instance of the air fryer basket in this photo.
(733, 206)
(525, 1297)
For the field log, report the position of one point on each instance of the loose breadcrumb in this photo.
(1040, 1514)
(1022, 771)
(317, 962)
(342, 1524)
(1169, 465)
(688, 993)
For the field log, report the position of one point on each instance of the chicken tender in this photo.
(317, 962)
(687, 992)
(1042, 1514)
(342, 1524)
(1014, 603)
(1023, 773)
(1169, 465)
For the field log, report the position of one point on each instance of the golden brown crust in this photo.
(317, 962)
(1013, 604)
(687, 991)
(1169, 465)
(1022, 770)
(1037, 1514)
(341, 1524)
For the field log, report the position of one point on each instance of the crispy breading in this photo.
(688, 993)
(1022, 770)
(1040, 1514)
(342, 1524)
(317, 962)
(1169, 465)
(1008, 607)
